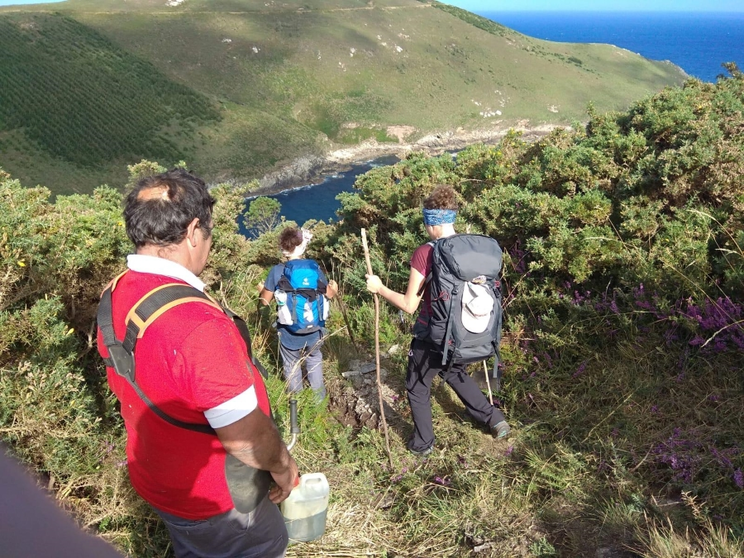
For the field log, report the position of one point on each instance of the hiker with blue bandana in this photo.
(433, 351)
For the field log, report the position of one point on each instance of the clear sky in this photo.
(600, 5)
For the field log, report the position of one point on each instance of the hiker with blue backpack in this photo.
(459, 322)
(301, 291)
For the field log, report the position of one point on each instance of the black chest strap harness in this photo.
(148, 309)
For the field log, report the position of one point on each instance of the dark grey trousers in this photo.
(424, 363)
(313, 360)
(258, 534)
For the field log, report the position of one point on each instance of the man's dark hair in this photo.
(159, 208)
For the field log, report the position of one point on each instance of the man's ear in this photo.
(191, 231)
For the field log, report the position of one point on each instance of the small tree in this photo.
(142, 169)
(262, 215)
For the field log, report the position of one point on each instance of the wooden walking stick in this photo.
(377, 348)
(340, 300)
(488, 382)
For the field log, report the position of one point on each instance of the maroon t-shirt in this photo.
(421, 261)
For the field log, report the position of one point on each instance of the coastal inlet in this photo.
(318, 201)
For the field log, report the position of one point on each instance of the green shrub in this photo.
(623, 336)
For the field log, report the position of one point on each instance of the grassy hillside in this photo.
(237, 87)
(623, 287)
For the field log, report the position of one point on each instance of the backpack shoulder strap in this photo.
(426, 282)
(157, 302)
(147, 309)
(283, 284)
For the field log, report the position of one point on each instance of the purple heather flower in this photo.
(722, 458)
(739, 478)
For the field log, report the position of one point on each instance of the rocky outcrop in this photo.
(312, 169)
(308, 169)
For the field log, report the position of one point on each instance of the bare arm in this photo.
(255, 441)
(408, 302)
(266, 295)
(331, 289)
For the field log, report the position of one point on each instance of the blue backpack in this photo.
(300, 296)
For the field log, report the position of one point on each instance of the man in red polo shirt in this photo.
(210, 488)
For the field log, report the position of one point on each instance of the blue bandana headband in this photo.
(435, 217)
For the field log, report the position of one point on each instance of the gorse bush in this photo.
(623, 282)
(57, 412)
(603, 207)
(624, 233)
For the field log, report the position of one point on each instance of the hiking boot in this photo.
(501, 430)
(423, 452)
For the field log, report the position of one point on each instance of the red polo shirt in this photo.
(191, 360)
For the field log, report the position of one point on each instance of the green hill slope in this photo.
(238, 87)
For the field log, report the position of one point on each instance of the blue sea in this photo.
(319, 201)
(698, 42)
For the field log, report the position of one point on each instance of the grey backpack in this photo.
(466, 312)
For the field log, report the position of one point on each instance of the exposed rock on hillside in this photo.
(313, 169)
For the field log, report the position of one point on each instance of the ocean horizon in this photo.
(697, 42)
